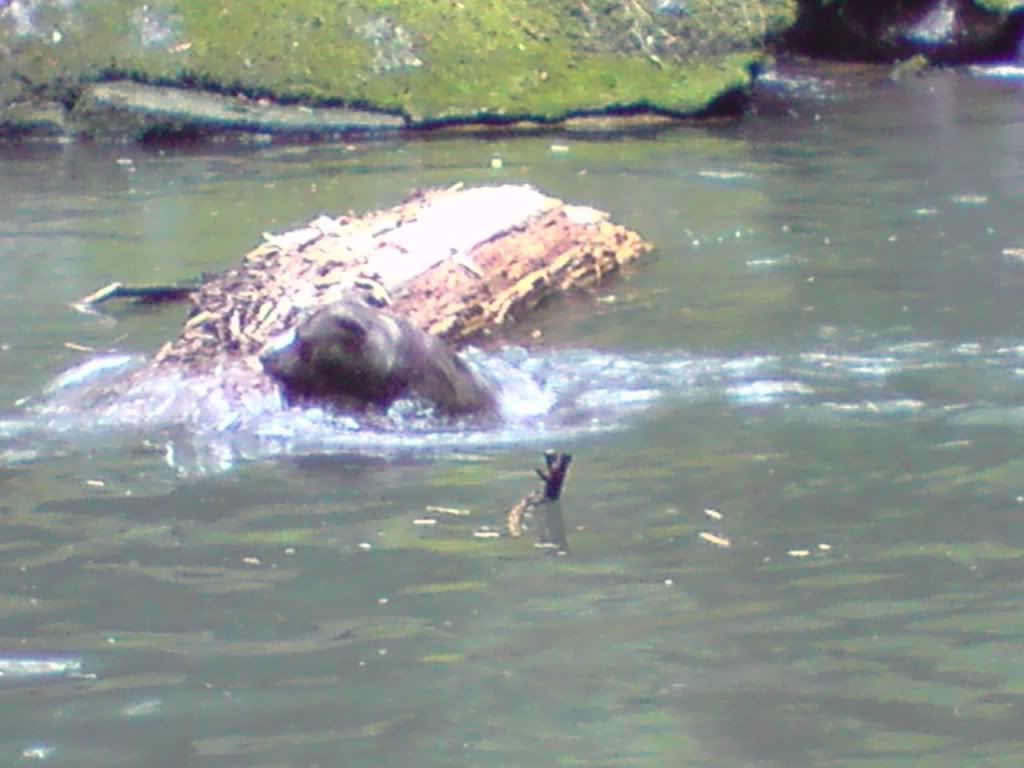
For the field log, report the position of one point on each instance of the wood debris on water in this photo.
(714, 538)
(458, 262)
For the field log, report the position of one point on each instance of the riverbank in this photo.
(311, 70)
(73, 69)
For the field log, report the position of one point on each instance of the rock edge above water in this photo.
(403, 63)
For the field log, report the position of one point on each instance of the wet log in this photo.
(456, 264)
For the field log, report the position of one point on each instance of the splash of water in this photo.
(544, 397)
(206, 426)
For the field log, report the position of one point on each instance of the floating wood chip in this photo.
(447, 510)
(100, 295)
(714, 538)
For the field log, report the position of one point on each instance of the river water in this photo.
(821, 366)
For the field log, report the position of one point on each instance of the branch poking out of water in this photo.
(147, 294)
(554, 477)
(553, 535)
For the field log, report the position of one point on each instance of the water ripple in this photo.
(544, 396)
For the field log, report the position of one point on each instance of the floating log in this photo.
(456, 263)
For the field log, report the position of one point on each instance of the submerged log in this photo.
(455, 264)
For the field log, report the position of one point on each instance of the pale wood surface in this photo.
(458, 262)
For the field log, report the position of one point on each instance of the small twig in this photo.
(102, 294)
(76, 347)
(147, 294)
(553, 476)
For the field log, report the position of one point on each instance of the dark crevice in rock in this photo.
(944, 31)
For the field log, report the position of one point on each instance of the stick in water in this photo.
(553, 476)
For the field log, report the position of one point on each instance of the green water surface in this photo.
(290, 612)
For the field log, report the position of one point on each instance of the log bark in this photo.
(453, 263)
(456, 262)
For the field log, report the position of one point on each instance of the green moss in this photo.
(427, 59)
(512, 59)
(1000, 6)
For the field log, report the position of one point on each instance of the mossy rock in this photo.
(426, 61)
